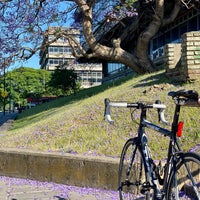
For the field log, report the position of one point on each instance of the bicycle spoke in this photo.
(186, 184)
(131, 174)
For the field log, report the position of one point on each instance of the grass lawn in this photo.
(75, 124)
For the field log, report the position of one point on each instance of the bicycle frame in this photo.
(172, 150)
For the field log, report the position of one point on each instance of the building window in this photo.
(51, 49)
(68, 50)
(160, 41)
(60, 49)
(115, 67)
(56, 49)
(167, 37)
(175, 34)
(58, 61)
(183, 29)
(89, 78)
(192, 24)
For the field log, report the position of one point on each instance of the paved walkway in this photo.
(6, 120)
(21, 189)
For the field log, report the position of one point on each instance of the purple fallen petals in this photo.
(61, 190)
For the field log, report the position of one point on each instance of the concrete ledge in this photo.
(70, 169)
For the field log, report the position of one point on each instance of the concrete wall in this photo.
(190, 59)
(172, 55)
(182, 61)
(70, 169)
(173, 66)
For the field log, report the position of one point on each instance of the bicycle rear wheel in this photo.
(186, 184)
(132, 177)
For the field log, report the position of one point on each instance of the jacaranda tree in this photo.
(24, 24)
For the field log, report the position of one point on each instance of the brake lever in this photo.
(107, 111)
(159, 110)
(161, 116)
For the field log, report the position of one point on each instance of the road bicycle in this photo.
(140, 177)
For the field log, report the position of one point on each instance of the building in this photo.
(59, 53)
(89, 74)
(188, 20)
(172, 33)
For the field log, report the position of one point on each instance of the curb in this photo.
(63, 168)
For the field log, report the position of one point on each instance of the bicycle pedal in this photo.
(159, 196)
(145, 188)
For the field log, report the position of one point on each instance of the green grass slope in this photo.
(75, 124)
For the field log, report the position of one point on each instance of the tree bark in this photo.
(115, 53)
(139, 61)
(146, 36)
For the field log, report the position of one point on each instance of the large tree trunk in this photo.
(139, 61)
(146, 36)
(113, 54)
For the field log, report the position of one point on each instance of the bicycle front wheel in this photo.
(132, 178)
(184, 183)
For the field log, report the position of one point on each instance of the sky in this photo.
(33, 62)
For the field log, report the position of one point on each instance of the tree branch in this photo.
(174, 13)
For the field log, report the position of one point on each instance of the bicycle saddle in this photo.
(189, 94)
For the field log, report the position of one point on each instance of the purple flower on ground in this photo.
(195, 148)
(61, 190)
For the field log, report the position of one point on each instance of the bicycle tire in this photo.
(184, 187)
(131, 179)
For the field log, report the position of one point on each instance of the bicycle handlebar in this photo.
(138, 105)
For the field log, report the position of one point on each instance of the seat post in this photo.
(176, 118)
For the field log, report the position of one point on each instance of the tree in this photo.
(24, 25)
(25, 82)
(64, 81)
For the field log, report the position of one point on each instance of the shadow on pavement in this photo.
(60, 198)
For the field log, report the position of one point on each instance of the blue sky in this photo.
(33, 62)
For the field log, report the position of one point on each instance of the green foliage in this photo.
(64, 81)
(130, 2)
(25, 82)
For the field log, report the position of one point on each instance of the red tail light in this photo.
(179, 129)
